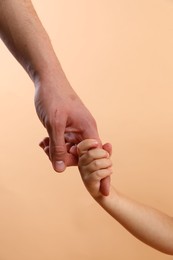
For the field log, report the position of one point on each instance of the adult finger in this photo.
(105, 186)
(44, 142)
(105, 183)
(57, 147)
(108, 148)
(88, 127)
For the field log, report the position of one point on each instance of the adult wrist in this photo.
(42, 69)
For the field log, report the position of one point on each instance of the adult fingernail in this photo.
(59, 166)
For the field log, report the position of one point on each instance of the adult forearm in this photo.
(147, 224)
(26, 38)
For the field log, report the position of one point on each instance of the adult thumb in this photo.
(58, 151)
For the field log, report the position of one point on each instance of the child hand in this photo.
(94, 165)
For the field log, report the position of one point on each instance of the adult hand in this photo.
(58, 107)
(67, 121)
(65, 117)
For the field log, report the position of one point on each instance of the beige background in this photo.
(118, 57)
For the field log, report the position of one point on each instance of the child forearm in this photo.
(145, 223)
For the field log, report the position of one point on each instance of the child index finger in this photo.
(86, 145)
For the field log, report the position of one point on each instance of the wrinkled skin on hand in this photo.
(67, 121)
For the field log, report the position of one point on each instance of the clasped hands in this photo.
(68, 122)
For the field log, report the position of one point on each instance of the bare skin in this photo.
(58, 107)
(150, 225)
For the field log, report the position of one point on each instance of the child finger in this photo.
(99, 164)
(92, 155)
(86, 145)
(98, 175)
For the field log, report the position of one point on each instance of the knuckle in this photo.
(58, 151)
(96, 164)
(97, 175)
(90, 154)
